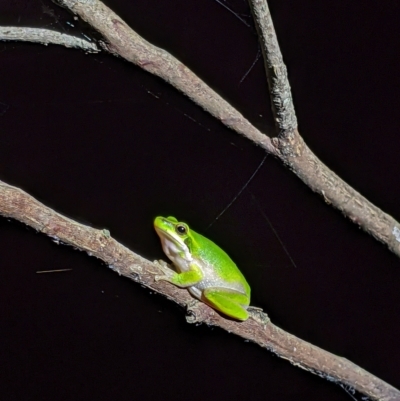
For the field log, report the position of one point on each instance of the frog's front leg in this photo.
(229, 302)
(183, 279)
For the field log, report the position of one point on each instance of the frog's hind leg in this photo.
(230, 303)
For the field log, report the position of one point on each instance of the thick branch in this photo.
(288, 146)
(351, 203)
(125, 42)
(296, 154)
(46, 36)
(17, 204)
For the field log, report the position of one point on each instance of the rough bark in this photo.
(45, 37)
(17, 204)
(288, 146)
(294, 153)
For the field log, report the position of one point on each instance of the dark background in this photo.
(107, 144)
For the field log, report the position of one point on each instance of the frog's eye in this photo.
(181, 229)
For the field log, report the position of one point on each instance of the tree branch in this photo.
(287, 146)
(299, 157)
(281, 96)
(17, 204)
(123, 41)
(46, 36)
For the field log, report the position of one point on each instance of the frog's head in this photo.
(175, 237)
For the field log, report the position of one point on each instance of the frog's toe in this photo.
(164, 267)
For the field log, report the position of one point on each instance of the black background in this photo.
(112, 146)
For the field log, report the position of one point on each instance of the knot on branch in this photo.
(258, 315)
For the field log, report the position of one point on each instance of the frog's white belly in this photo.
(212, 280)
(182, 259)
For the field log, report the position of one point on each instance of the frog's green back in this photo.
(223, 264)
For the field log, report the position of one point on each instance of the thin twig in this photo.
(281, 96)
(46, 36)
(17, 204)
